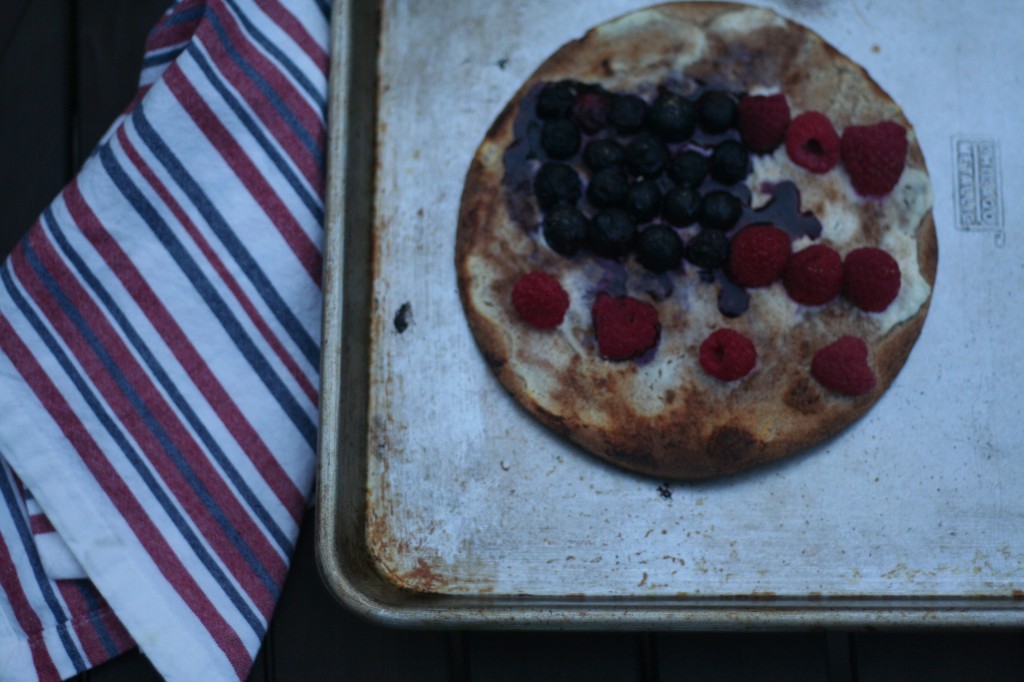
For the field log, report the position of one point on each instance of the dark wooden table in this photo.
(67, 68)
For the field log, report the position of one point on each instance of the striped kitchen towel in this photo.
(159, 356)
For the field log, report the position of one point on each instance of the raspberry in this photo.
(874, 156)
(814, 276)
(759, 255)
(812, 142)
(871, 279)
(842, 366)
(540, 300)
(763, 120)
(727, 355)
(625, 327)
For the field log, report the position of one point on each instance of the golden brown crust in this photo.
(667, 417)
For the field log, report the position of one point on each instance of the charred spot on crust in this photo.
(927, 248)
(758, 59)
(639, 459)
(730, 444)
(556, 422)
(494, 360)
(803, 396)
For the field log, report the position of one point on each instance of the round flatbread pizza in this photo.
(696, 240)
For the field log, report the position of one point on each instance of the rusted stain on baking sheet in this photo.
(422, 578)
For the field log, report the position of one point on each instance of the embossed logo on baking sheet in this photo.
(978, 186)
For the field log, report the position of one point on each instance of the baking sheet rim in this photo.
(358, 585)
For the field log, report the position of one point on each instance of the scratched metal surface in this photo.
(916, 514)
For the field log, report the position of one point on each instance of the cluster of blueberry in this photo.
(650, 168)
(677, 162)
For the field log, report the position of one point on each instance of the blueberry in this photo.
(717, 111)
(730, 162)
(560, 138)
(627, 113)
(565, 229)
(556, 183)
(600, 154)
(708, 250)
(646, 155)
(608, 187)
(643, 201)
(591, 108)
(556, 100)
(659, 248)
(611, 232)
(721, 210)
(688, 168)
(673, 117)
(682, 206)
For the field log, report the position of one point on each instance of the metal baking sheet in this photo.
(441, 502)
